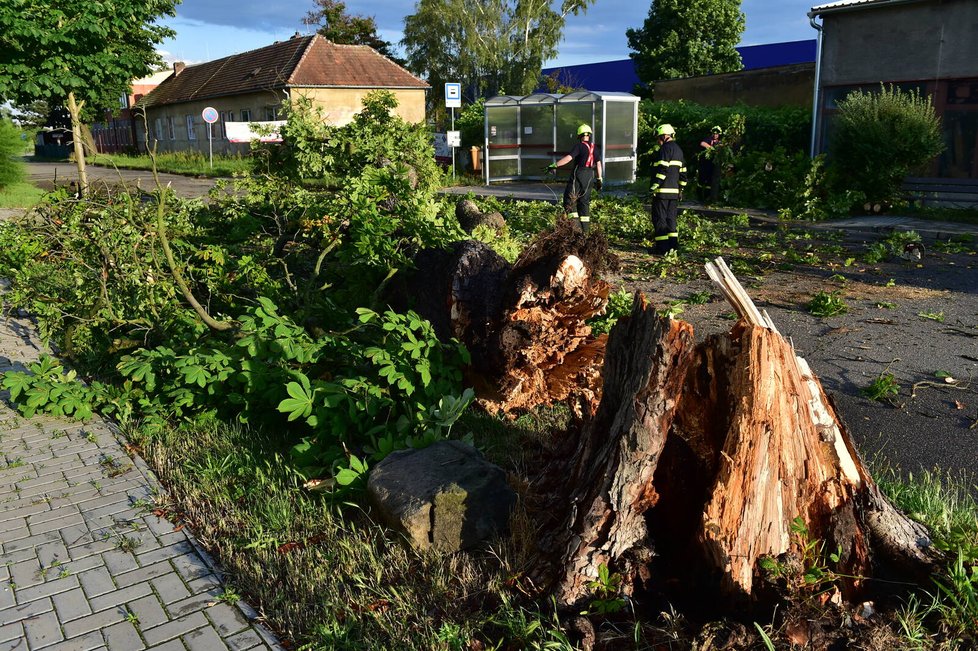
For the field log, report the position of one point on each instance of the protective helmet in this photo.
(716, 129)
(665, 130)
(583, 129)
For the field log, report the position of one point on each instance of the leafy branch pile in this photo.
(263, 305)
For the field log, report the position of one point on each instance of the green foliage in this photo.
(880, 137)
(767, 179)
(826, 304)
(687, 39)
(500, 46)
(471, 123)
(93, 50)
(606, 589)
(619, 305)
(11, 145)
(818, 199)
(500, 240)
(883, 388)
(807, 570)
(748, 131)
(46, 388)
(335, 24)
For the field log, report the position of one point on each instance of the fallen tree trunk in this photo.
(702, 460)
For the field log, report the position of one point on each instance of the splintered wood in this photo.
(724, 447)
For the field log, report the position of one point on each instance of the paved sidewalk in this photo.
(84, 563)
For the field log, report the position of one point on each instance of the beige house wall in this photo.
(341, 104)
(260, 107)
(338, 104)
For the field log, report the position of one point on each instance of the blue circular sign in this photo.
(209, 114)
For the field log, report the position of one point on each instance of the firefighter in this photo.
(585, 174)
(708, 171)
(668, 184)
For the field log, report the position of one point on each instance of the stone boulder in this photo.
(445, 497)
(469, 216)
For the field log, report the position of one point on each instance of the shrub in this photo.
(11, 144)
(879, 138)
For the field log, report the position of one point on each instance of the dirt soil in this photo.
(933, 422)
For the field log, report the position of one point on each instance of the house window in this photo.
(158, 132)
(123, 101)
(171, 127)
(246, 115)
(191, 134)
(226, 116)
(271, 113)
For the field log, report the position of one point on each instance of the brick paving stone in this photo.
(204, 639)
(71, 605)
(143, 574)
(123, 637)
(244, 641)
(120, 597)
(226, 619)
(43, 630)
(174, 628)
(96, 581)
(149, 610)
(87, 642)
(172, 645)
(47, 589)
(94, 622)
(170, 588)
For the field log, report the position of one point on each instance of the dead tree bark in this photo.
(723, 447)
(612, 471)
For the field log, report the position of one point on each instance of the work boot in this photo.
(673, 244)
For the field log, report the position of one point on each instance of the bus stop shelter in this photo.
(524, 134)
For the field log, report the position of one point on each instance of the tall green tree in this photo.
(333, 22)
(78, 52)
(687, 38)
(489, 46)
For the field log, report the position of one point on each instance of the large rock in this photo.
(470, 217)
(445, 497)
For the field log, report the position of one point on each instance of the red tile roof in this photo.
(299, 61)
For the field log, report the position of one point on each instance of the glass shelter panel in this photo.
(569, 117)
(620, 138)
(502, 132)
(537, 134)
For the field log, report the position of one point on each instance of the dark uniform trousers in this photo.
(664, 214)
(577, 194)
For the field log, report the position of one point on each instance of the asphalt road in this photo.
(49, 175)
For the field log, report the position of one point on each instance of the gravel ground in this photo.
(932, 423)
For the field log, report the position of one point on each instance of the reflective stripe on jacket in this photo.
(669, 170)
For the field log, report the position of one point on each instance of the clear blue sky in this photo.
(211, 29)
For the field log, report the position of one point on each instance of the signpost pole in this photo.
(453, 100)
(210, 116)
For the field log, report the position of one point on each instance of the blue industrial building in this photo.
(620, 75)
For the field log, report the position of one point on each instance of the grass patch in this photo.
(191, 163)
(20, 195)
(322, 572)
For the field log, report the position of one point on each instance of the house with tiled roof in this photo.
(250, 87)
(924, 45)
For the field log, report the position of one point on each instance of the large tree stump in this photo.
(720, 447)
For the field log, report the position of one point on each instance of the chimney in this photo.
(178, 67)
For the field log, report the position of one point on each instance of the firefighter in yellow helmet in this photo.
(668, 184)
(585, 175)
